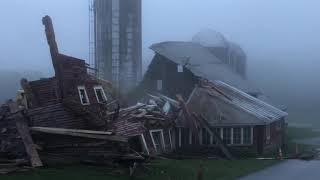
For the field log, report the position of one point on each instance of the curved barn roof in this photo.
(202, 63)
(210, 38)
(234, 47)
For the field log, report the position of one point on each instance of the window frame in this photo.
(85, 93)
(229, 134)
(239, 138)
(162, 139)
(180, 68)
(95, 88)
(159, 84)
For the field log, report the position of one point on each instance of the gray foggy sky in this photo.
(281, 37)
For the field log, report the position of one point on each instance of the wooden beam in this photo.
(215, 136)
(80, 133)
(191, 121)
(23, 130)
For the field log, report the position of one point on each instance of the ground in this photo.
(159, 170)
(171, 169)
(300, 136)
(308, 140)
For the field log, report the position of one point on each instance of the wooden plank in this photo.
(73, 130)
(77, 133)
(23, 130)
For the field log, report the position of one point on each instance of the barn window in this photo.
(83, 95)
(236, 135)
(100, 95)
(247, 135)
(157, 140)
(179, 68)
(227, 135)
(159, 85)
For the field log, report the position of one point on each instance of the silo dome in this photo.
(236, 48)
(210, 38)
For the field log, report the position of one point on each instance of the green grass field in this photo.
(159, 170)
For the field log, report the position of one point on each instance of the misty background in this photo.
(281, 39)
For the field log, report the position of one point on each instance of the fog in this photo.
(280, 38)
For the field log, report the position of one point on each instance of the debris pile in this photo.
(25, 145)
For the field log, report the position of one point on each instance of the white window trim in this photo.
(85, 93)
(103, 93)
(242, 136)
(170, 139)
(144, 143)
(162, 141)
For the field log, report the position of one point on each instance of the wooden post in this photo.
(24, 133)
(54, 51)
(23, 130)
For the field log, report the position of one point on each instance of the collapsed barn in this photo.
(245, 121)
(74, 117)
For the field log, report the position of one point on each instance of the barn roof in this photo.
(210, 38)
(201, 63)
(229, 100)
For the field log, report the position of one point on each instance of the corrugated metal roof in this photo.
(250, 104)
(223, 105)
(202, 63)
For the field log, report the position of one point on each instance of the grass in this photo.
(294, 133)
(160, 170)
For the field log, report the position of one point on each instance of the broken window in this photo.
(83, 95)
(247, 135)
(100, 95)
(157, 139)
(159, 85)
(227, 135)
(236, 135)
